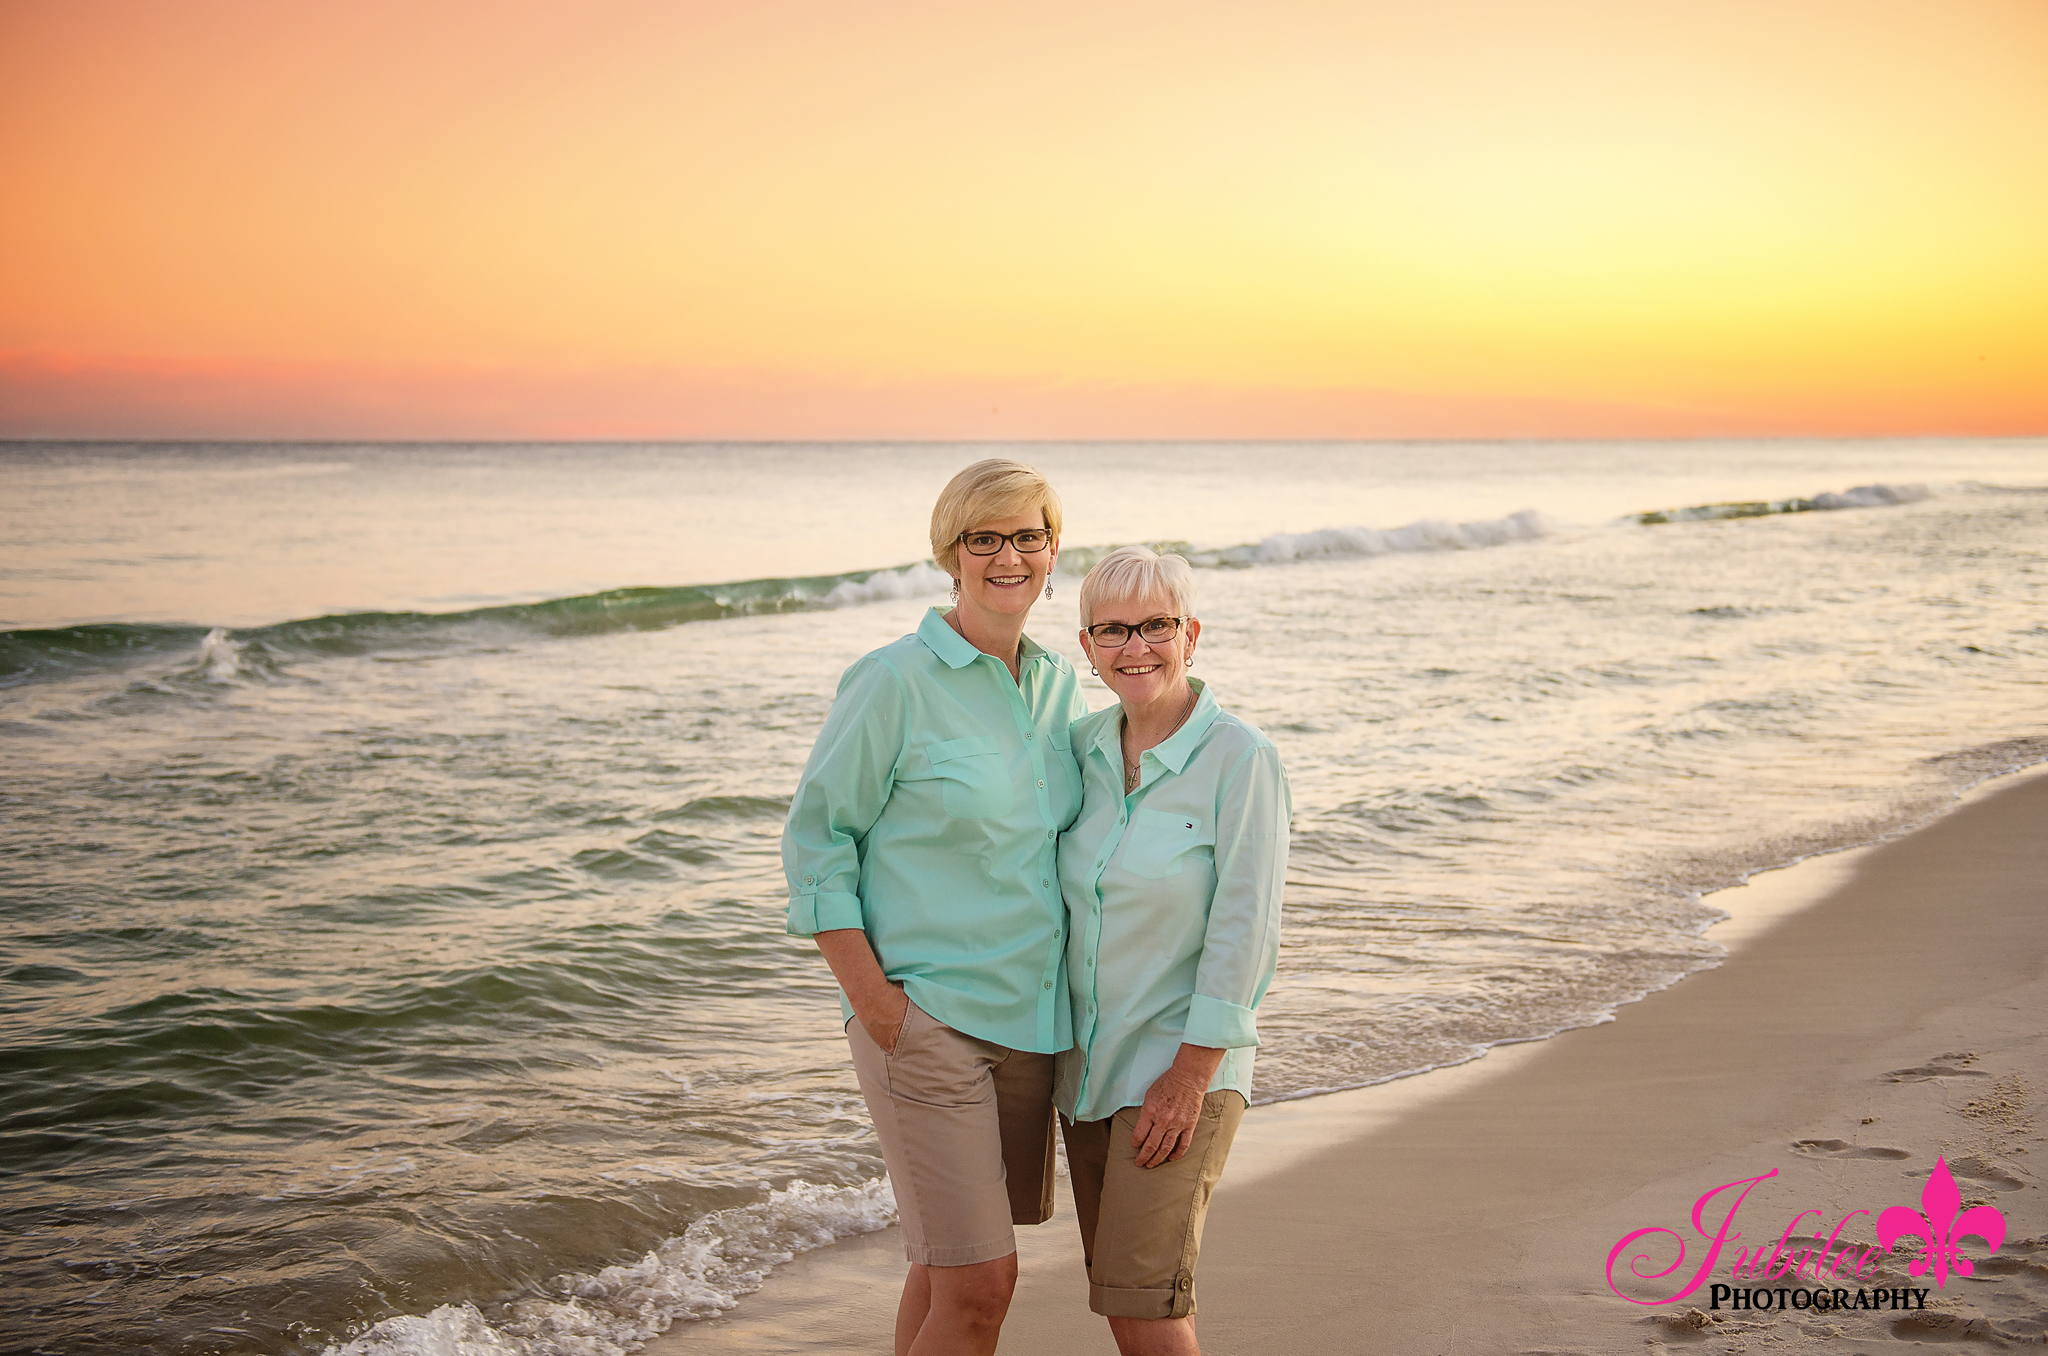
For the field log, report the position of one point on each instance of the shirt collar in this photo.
(954, 650)
(1175, 750)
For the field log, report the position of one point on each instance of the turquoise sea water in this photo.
(389, 911)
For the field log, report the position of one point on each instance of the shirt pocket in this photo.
(1062, 774)
(1156, 843)
(975, 777)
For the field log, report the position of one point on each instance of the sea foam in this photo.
(906, 581)
(220, 658)
(720, 1257)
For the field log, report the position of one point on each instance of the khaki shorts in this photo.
(966, 1129)
(1141, 1228)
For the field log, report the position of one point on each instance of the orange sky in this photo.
(782, 218)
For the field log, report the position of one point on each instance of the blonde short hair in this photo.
(984, 493)
(1134, 572)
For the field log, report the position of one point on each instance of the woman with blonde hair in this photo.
(921, 852)
(1172, 875)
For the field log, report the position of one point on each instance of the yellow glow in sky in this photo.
(867, 220)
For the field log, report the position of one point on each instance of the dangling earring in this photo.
(1191, 658)
(1092, 672)
(956, 590)
(1048, 588)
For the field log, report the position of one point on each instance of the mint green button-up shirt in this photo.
(1173, 902)
(929, 815)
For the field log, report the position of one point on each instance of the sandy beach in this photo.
(1880, 1010)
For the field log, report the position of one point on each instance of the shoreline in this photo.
(1342, 1214)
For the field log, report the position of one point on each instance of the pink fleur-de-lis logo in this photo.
(1941, 1226)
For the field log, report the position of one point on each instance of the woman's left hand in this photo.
(1166, 1123)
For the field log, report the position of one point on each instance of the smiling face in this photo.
(1007, 583)
(1141, 672)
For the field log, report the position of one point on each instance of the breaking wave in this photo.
(219, 654)
(1862, 496)
(1427, 535)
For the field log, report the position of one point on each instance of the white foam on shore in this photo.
(722, 1256)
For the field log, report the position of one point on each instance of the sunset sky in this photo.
(791, 219)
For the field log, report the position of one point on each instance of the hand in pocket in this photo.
(885, 1025)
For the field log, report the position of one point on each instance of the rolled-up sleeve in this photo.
(845, 785)
(1241, 946)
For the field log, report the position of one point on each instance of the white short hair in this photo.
(1135, 572)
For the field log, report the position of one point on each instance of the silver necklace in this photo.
(1132, 766)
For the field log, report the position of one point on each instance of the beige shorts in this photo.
(1141, 1228)
(966, 1129)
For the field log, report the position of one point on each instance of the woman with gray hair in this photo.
(1172, 876)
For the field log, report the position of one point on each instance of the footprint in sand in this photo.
(1951, 1064)
(1936, 1326)
(2016, 1259)
(1990, 1174)
(1842, 1148)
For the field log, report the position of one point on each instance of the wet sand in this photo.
(1880, 1009)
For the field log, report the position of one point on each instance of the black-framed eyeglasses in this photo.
(1152, 629)
(1028, 542)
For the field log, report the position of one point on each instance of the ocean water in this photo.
(390, 917)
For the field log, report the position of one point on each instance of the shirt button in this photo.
(1187, 1283)
(1030, 735)
(1041, 783)
(1048, 833)
(1048, 984)
(1091, 960)
(1055, 934)
(810, 880)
